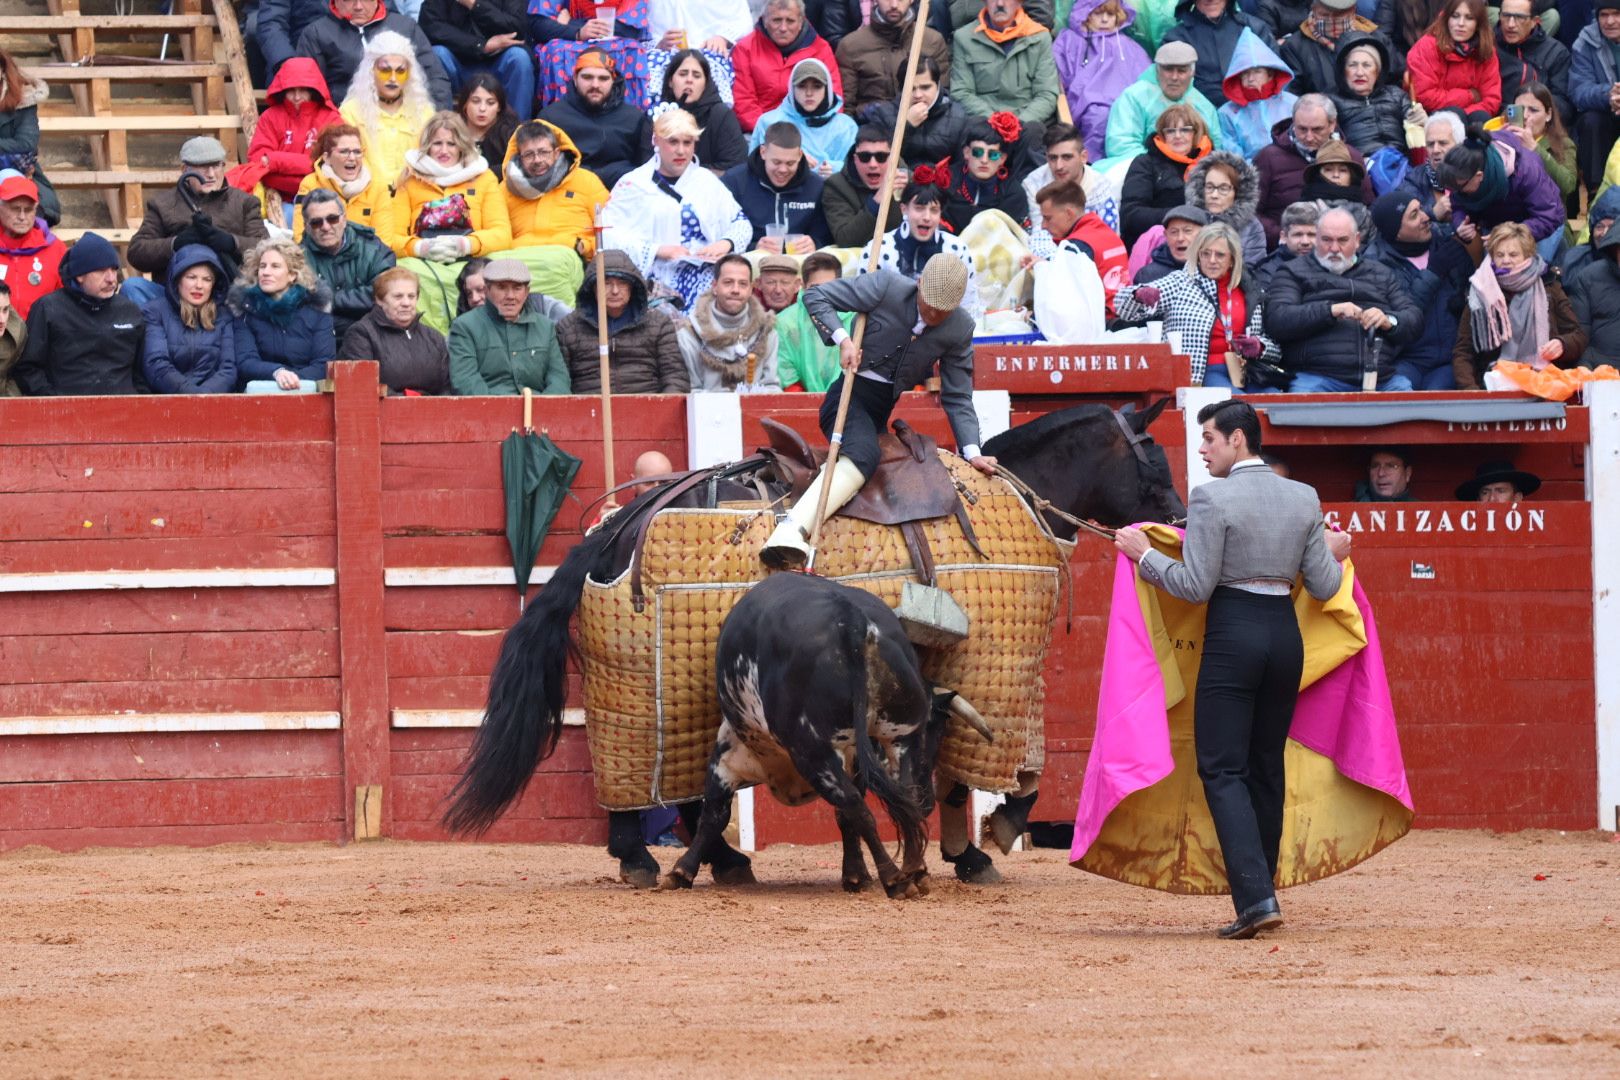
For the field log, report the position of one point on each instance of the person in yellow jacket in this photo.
(388, 99)
(340, 166)
(447, 209)
(552, 200)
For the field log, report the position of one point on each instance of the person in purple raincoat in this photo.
(1096, 61)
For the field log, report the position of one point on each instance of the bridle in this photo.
(1139, 441)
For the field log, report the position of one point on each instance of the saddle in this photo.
(910, 485)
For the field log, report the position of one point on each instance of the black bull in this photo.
(1089, 461)
(822, 694)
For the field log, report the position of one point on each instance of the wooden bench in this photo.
(109, 151)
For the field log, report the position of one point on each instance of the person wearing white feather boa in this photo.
(673, 218)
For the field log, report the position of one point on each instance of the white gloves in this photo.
(444, 249)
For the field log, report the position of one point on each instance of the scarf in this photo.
(347, 188)
(460, 172)
(731, 344)
(1022, 26)
(1463, 49)
(1491, 189)
(279, 310)
(532, 187)
(824, 113)
(1515, 323)
(1199, 151)
(912, 254)
(1329, 28)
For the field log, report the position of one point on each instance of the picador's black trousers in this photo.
(1248, 680)
(870, 404)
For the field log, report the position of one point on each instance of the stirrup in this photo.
(787, 549)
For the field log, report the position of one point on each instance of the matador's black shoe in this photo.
(1265, 915)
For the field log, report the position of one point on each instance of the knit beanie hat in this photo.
(90, 252)
(943, 283)
(1387, 212)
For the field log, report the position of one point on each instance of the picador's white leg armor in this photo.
(789, 545)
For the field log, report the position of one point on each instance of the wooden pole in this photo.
(885, 199)
(602, 364)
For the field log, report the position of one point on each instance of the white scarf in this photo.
(347, 188)
(445, 176)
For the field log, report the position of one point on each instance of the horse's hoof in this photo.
(902, 888)
(740, 874)
(924, 885)
(637, 876)
(674, 880)
(1000, 831)
(973, 867)
(855, 884)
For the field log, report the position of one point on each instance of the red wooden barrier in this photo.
(173, 568)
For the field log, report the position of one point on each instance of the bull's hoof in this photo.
(639, 873)
(1000, 830)
(973, 867)
(736, 874)
(674, 880)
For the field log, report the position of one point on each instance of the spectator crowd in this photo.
(1335, 195)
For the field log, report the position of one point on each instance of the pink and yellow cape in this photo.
(1142, 817)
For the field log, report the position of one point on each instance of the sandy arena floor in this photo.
(1451, 954)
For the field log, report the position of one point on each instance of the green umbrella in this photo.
(536, 474)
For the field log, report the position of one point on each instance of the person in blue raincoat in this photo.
(1257, 97)
(194, 342)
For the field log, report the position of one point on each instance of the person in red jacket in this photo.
(1453, 65)
(30, 254)
(284, 140)
(1074, 228)
(763, 60)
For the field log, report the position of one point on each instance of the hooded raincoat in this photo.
(1095, 68)
(1136, 112)
(761, 70)
(181, 359)
(828, 135)
(285, 135)
(1249, 115)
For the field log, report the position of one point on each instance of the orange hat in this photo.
(593, 58)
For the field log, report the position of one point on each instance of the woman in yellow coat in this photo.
(552, 200)
(340, 166)
(447, 208)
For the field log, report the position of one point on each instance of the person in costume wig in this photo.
(674, 218)
(388, 100)
(1248, 536)
(910, 326)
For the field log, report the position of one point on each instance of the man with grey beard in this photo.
(1341, 320)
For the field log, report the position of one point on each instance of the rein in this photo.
(1040, 503)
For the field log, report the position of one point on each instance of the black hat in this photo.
(1494, 472)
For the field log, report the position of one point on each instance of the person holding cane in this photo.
(910, 326)
(1249, 535)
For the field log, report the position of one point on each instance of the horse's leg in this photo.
(636, 865)
(1007, 822)
(972, 865)
(729, 866)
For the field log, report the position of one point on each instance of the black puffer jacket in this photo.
(1312, 58)
(612, 139)
(1299, 318)
(1153, 184)
(1595, 295)
(414, 357)
(935, 139)
(644, 355)
(1377, 120)
(722, 143)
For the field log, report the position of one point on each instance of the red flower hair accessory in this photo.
(1007, 126)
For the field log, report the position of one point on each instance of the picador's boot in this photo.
(789, 546)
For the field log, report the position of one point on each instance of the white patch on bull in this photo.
(737, 767)
(755, 756)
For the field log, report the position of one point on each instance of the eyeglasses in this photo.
(324, 222)
(985, 152)
(1507, 16)
(1218, 189)
(345, 151)
(1180, 129)
(866, 157)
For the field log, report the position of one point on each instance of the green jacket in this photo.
(489, 355)
(800, 356)
(350, 270)
(1136, 111)
(1022, 81)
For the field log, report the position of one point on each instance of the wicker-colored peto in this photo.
(650, 705)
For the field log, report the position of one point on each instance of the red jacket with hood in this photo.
(285, 135)
(761, 69)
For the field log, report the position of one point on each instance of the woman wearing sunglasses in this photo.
(980, 176)
(1157, 179)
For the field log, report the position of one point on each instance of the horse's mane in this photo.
(1026, 439)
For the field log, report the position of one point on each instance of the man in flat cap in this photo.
(503, 345)
(1168, 82)
(201, 209)
(910, 326)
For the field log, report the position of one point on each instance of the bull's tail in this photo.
(870, 775)
(523, 717)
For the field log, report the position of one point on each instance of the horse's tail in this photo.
(523, 718)
(870, 775)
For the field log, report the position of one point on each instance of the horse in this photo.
(1087, 462)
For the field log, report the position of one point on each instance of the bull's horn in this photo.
(964, 709)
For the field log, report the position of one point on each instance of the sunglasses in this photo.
(324, 222)
(397, 72)
(985, 152)
(866, 157)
